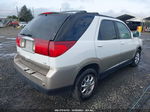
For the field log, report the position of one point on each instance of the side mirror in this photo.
(136, 34)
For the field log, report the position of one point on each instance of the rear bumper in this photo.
(44, 84)
(41, 88)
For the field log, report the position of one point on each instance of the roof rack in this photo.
(106, 16)
(78, 11)
(96, 13)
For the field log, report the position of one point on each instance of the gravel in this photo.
(120, 90)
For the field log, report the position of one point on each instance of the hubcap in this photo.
(87, 85)
(137, 58)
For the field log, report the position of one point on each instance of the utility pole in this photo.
(17, 12)
(33, 11)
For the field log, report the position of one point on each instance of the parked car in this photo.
(22, 24)
(13, 23)
(2, 24)
(58, 51)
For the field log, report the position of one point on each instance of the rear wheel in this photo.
(85, 85)
(136, 59)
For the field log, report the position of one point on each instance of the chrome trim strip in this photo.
(28, 38)
(117, 65)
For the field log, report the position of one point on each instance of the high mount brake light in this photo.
(47, 13)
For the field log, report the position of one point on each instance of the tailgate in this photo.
(28, 51)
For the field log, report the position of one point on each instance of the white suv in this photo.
(62, 50)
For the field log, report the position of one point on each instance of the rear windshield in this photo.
(44, 26)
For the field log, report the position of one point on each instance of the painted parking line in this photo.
(2, 55)
(142, 99)
(11, 38)
(2, 36)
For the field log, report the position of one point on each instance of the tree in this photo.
(12, 17)
(25, 14)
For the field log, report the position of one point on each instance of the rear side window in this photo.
(44, 26)
(107, 30)
(74, 27)
(124, 32)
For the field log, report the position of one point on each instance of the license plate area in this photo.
(29, 45)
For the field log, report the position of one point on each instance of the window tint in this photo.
(107, 30)
(124, 33)
(44, 26)
(74, 27)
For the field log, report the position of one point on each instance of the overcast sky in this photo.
(114, 8)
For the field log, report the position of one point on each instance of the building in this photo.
(146, 25)
(132, 21)
(125, 17)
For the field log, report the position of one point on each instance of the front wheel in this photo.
(85, 85)
(136, 59)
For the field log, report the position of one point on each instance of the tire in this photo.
(136, 59)
(85, 85)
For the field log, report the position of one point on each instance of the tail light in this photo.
(58, 48)
(22, 43)
(33, 47)
(48, 48)
(18, 41)
(41, 46)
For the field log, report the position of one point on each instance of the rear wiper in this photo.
(29, 35)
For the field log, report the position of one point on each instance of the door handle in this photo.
(122, 43)
(99, 46)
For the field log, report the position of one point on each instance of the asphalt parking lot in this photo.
(124, 89)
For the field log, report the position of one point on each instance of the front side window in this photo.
(124, 32)
(107, 30)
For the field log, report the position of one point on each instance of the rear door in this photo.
(108, 44)
(35, 37)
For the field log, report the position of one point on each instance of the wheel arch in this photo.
(95, 66)
(139, 48)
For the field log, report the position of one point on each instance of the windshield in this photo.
(44, 26)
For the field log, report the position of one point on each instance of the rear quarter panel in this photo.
(82, 53)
